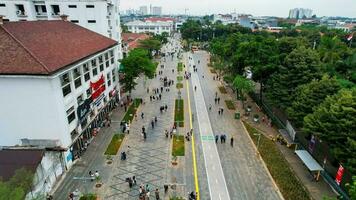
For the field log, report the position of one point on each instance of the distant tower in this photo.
(150, 9)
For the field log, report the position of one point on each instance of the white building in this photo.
(225, 18)
(300, 13)
(152, 25)
(156, 10)
(101, 16)
(58, 81)
(143, 10)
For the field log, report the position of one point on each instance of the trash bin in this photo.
(237, 115)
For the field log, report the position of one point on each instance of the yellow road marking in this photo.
(193, 146)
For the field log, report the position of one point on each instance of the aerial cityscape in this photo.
(177, 100)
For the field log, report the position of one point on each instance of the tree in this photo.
(334, 121)
(300, 67)
(151, 45)
(191, 29)
(243, 86)
(135, 64)
(18, 185)
(310, 95)
(352, 188)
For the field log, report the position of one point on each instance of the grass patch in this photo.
(115, 144)
(230, 105)
(131, 110)
(289, 185)
(179, 112)
(179, 78)
(213, 71)
(222, 89)
(179, 85)
(180, 67)
(178, 145)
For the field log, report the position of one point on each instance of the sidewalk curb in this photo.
(263, 162)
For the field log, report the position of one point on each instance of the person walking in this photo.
(157, 194)
(209, 107)
(142, 115)
(153, 124)
(165, 107)
(195, 88)
(216, 138)
(218, 100)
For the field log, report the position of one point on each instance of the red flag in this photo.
(350, 37)
(339, 174)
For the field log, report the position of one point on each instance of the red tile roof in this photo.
(12, 160)
(44, 47)
(133, 39)
(161, 19)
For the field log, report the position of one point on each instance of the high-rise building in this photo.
(101, 16)
(156, 10)
(143, 10)
(300, 13)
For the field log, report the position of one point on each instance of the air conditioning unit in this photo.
(18, 12)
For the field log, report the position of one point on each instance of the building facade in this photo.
(60, 90)
(156, 10)
(101, 16)
(151, 25)
(143, 10)
(300, 13)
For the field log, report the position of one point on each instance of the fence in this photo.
(319, 150)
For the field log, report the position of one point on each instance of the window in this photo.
(106, 56)
(111, 53)
(112, 60)
(78, 82)
(100, 59)
(88, 92)
(72, 6)
(107, 64)
(65, 82)
(95, 71)
(76, 72)
(90, 6)
(113, 75)
(91, 21)
(93, 62)
(101, 67)
(66, 90)
(86, 72)
(74, 21)
(65, 79)
(20, 9)
(41, 9)
(108, 78)
(55, 9)
(70, 114)
(77, 77)
(80, 99)
(2, 5)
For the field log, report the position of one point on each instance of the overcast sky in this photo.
(279, 8)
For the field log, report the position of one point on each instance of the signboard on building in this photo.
(97, 87)
(83, 110)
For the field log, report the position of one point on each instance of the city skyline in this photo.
(278, 8)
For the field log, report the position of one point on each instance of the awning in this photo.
(308, 160)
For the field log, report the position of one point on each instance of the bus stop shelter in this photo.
(310, 162)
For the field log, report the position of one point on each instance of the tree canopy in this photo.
(135, 64)
(18, 185)
(334, 121)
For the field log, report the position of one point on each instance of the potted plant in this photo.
(98, 182)
(109, 159)
(256, 117)
(174, 160)
(249, 108)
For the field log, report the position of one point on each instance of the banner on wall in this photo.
(339, 174)
(97, 87)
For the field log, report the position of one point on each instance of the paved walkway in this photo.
(246, 177)
(215, 175)
(93, 159)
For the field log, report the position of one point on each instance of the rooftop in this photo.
(12, 160)
(44, 47)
